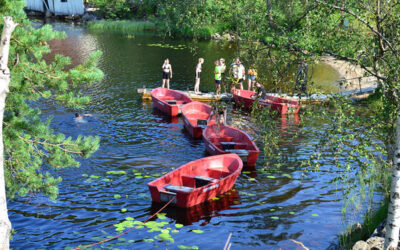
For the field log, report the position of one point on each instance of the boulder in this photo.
(361, 245)
(376, 243)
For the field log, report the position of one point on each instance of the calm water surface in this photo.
(261, 212)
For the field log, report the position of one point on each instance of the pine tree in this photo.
(31, 147)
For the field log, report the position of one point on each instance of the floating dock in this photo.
(203, 97)
(357, 94)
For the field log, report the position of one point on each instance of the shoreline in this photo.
(351, 76)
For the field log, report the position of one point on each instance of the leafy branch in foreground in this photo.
(31, 146)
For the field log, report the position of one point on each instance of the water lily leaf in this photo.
(116, 172)
(129, 218)
(106, 180)
(147, 176)
(165, 237)
(188, 247)
(85, 175)
(131, 241)
(148, 240)
(117, 196)
(272, 210)
(315, 215)
(175, 231)
(178, 225)
(275, 217)
(251, 179)
(197, 231)
(291, 212)
(246, 172)
(287, 175)
(271, 177)
(161, 216)
(138, 177)
(95, 176)
(137, 173)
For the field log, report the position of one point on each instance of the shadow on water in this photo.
(202, 212)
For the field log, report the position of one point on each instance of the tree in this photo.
(31, 148)
(5, 225)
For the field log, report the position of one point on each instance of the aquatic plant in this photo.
(123, 26)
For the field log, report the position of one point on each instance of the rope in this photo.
(127, 231)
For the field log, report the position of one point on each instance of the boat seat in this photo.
(228, 145)
(201, 122)
(239, 152)
(175, 189)
(203, 180)
(171, 102)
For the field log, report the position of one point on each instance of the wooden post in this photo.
(5, 224)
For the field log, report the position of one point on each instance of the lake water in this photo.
(265, 210)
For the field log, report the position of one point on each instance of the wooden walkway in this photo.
(357, 94)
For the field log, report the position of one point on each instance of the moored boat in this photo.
(195, 118)
(169, 101)
(197, 181)
(220, 139)
(281, 105)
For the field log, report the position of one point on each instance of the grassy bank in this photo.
(370, 223)
(123, 26)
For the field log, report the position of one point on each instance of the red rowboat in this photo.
(197, 181)
(169, 101)
(281, 105)
(221, 139)
(195, 117)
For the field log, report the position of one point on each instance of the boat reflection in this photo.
(289, 119)
(204, 211)
(164, 118)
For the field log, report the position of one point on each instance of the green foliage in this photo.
(126, 27)
(31, 146)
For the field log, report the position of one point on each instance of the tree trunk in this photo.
(393, 219)
(5, 224)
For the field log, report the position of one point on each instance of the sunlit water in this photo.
(261, 213)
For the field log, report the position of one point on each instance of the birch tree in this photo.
(5, 224)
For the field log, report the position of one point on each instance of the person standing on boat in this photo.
(238, 72)
(261, 93)
(219, 114)
(222, 65)
(218, 76)
(252, 75)
(198, 73)
(167, 73)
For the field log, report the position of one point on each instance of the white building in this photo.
(57, 7)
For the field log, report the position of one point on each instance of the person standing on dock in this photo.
(198, 73)
(238, 71)
(167, 73)
(252, 75)
(223, 69)
(218, 76)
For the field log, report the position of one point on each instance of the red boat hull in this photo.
(192, 113)
(280, 105)
(169, 101)
(187, 183)
(216, 138)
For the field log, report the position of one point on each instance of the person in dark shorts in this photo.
(167, 73)
(218, 76)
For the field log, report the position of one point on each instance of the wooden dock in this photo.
(203, 97)
(358, 94)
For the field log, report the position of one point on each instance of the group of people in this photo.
(237, 71)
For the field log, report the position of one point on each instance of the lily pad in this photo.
(116, 172)
(291, 212)
(287, 175)
(85, 175)
(188, 247)
(117, 196)
(95, 176)
(178, 225)
(275, 217)
(106, 180)
(271, 177)
(315, 215)
(161, 216)
(124, 210)
(251, 179)
(197, 231)
(148, 240)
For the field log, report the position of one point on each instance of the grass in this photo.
(123, 26)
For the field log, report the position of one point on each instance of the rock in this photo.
(227, 36)
(361, 245)
(376, 243)
(216, 36)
